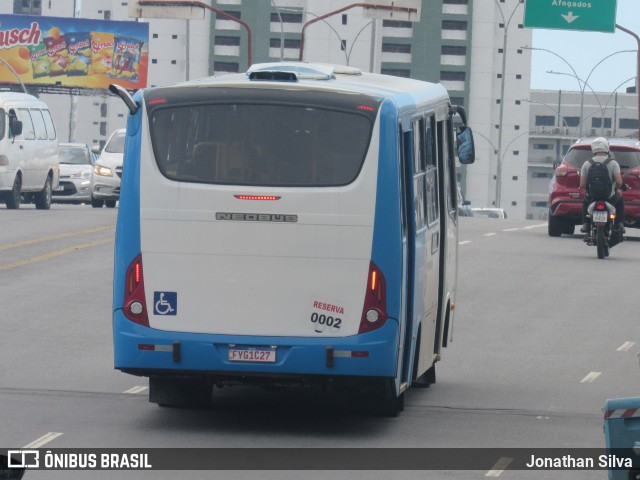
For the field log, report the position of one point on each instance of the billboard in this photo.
(73, 52)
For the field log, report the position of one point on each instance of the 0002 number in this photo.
(322, 319)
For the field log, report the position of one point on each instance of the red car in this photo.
(565, 201)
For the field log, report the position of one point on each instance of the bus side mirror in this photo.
(466, 147)
(125, 97)
(15, 126)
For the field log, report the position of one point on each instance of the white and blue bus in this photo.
(296, 224)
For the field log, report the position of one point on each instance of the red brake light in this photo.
(600, 206)
(257, 197)
(374, 311)
(134, 299)
(366, 108)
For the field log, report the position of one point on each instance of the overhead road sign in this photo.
(585, 15)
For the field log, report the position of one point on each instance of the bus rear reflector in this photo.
(374, 311)
(134, 299)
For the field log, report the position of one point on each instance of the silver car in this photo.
(76, 163)
(107, 172)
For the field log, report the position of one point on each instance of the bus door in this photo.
(448, 227)
(408, 246)
(428, 236)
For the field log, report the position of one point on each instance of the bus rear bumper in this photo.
(146, 351)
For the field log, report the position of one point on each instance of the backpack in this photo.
(599, 182)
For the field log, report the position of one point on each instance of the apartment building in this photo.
(472, 47)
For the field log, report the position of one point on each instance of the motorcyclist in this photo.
(600, 149)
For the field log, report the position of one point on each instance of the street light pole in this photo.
(502, 87)
(8, 65)
(582, 84)
(188, 3)
(344, 9)
(620, 27)
(580, 87)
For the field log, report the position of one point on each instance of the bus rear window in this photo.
(259, 145)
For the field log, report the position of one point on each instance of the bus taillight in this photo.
(134, 299)
(374, 312)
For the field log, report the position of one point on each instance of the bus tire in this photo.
(12, 198)
(180, 392)
(388, 403)
(110, 203)
(427, 379)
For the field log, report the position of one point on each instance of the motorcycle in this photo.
(602, 230)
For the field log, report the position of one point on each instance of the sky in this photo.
(584, 50)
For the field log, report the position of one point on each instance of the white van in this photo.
(28, 150)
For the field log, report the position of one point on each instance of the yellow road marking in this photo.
(56, 237)
(28, 261)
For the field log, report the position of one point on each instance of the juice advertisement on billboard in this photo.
(73, 52)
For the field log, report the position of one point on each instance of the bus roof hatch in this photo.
(291, 72)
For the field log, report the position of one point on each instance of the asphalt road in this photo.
(544, 334)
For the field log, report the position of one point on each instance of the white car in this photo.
(489, 212)
(107, 171)
(76, 163)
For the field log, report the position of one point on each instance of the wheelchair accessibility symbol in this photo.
(165, 303)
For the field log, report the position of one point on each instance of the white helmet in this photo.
(600, 144)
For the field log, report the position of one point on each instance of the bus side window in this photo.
(452, 194)
(433, 139)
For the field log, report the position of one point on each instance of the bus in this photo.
(295, 225)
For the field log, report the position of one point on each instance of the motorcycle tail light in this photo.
(600, 206)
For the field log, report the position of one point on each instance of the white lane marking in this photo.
(625, 346)
(511, 229)
(529, 227)
(590, 377)
(138, 389)
(42, 440)
(490, 234)
(464, 242)
(499, 467)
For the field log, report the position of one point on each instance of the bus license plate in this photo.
(600, 217)
(252, 354)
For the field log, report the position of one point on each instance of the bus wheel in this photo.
(388, 403)
(180, 392)
(427, 379)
